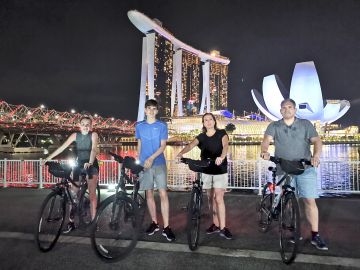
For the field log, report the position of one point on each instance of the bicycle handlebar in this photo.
(279, 160)
(61, 171)
(128, 163)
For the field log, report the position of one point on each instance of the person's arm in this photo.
(138, 148)
(225, 144)
(94, 150)
(315, 160)
(187, 148)
(69, 140)
(265, 147)
(148, 163)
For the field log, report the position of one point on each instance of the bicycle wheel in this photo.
(114, 232)
(84, 205)
(264, 213)
(50, 221)
(289, 228)
(193, 220)
(140, 202)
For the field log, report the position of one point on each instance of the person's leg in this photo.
(164, 206)
(92, 184)
(151, 204)
(311, 213)
(220, 206)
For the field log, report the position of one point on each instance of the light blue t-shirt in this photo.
(151, 136)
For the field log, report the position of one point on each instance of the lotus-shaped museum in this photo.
(305, 90)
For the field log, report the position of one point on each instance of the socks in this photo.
(313, 234)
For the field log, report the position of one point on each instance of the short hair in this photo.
(288, 100)
(151, 102)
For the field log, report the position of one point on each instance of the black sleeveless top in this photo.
(211, 148)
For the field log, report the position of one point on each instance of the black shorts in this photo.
(90, 172)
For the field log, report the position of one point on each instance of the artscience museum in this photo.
(305, 90)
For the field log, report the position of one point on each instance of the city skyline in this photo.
(88, 55)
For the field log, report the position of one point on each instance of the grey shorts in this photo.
(154, 178)
(214, 181)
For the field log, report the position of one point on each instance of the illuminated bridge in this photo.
(19, 123)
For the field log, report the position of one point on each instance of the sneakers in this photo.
(226, 233)
(153, 228)
(70, 227)
(213, 229)
(167, 232)
(318, 242)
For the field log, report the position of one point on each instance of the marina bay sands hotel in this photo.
(185, 81)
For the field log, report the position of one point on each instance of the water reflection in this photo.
(333, 152)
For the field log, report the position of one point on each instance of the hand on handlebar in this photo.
(219, 160)
(87, 165)
(315, 161)
(178, 158)
(265, 155)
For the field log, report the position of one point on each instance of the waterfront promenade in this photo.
(249, 249)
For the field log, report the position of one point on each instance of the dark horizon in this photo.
(87, 54)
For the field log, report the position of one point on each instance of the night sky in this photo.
(87, 54)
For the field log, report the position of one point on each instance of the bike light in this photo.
(72, 163)
(137, 161)
(111, 186)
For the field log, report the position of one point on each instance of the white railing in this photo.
(333, 176)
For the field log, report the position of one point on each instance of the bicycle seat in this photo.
(58, 170)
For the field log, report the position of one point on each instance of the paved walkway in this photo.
(339, 226)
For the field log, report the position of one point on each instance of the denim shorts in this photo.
(214, 180)
(306, 184)
(154, 178)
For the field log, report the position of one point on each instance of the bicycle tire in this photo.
(264, 212)
(289, 227)
(114, 232)
(84, 213)
(50, 221)
(193, 220)
(141, 203)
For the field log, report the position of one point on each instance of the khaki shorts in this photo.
(214, 181)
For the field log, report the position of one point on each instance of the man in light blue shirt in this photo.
(152, 135)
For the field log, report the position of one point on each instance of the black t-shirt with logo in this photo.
(211, 148)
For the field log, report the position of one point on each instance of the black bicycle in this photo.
(195, 203)
(53, 210)
(283, 207)
(115, 230)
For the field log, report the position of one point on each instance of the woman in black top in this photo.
(213, 143)
(86, 149)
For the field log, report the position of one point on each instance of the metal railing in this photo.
(333, 176)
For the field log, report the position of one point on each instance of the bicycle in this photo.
(53, 209)
(195, 203)
(284, 207)
(115, 229)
